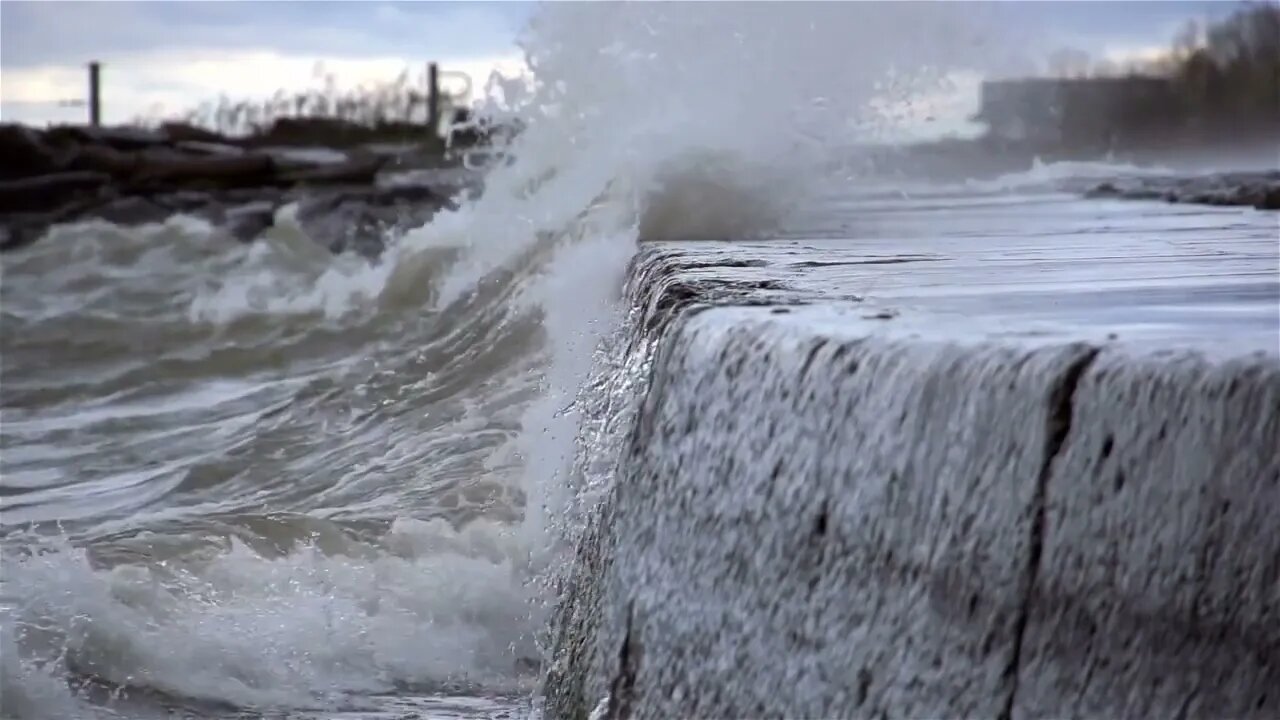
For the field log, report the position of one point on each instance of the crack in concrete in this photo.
(622, 693)
(1057, 428)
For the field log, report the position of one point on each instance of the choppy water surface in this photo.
(213, 504)
(258, 480)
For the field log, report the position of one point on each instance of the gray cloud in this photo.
(68, 33)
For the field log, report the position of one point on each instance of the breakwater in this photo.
(1009, 479)
(352, 187)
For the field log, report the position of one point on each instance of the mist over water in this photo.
(262, 476)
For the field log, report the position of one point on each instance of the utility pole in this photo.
(433, 97)
(95, 94)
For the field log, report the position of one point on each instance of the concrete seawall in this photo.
(824, 513)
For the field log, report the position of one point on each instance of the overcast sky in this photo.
(165, 57)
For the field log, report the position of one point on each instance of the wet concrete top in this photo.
(1052, 267)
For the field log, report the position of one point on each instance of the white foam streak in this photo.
(286, 273)
(1042, 174)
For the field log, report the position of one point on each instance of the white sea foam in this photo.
(430, 605)
(1046, 174)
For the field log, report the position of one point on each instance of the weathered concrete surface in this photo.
(837, 505)
(1158, 590)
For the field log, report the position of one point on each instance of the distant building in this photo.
(1077, 112)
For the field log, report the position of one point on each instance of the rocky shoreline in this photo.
(352, 186)
(1260, 190)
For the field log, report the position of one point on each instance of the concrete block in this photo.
(815, 526)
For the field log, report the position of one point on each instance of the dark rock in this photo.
(103, 159)
(247, 222)
(162, 154)
(309, 131)
(244, 222)
(403, 194)
(1106, 189)
(448, 182)
(132, 210)
(363, 170)
(8, 238)
(244, 196)
(24, 228)
(179, 133)
(25, 154)
(292, 159)
(122, 138)
(340, 223)
(133, 175)
(200, 147)
(245, 170)
(364, 219)
(338, 133)
(1259, 190)
(187, 201)
(16, 235)
(48, 192)
(1269, 199)
(164, 168)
